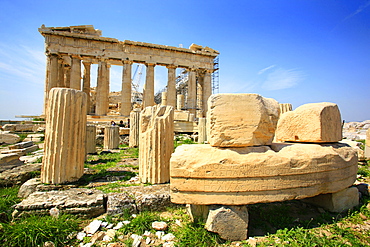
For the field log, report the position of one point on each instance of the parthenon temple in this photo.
(67, 48)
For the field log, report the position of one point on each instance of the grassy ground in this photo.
(291, 223)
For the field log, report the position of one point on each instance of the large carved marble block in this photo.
(156, 144)
(315, 122)
(204, 175)
(240, 120)
(65, 135)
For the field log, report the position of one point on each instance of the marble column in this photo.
(155, 144)
(192, 93)
(171, 86)
(149, 85)
(86, 84)
(164, 98)
(65, 135)
(180, 102)
(75, 80)
(52, 68)
(207, 91)
(90, 139)
(134, 128)
(67, 76)
(111, 137)
(102, 89)
(61, 74)
(202, 130)
(126, 88)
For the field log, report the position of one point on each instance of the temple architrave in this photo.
(70, 50)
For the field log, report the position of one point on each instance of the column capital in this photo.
(127, 61)
(171, 66)
(150, 64)
(75, 56)
(86, 63)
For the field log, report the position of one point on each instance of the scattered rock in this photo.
(230, 222)
(18, 175)
(9, 161)
(139, 198)
(159, 225)
(363, 189)
(93, 227)
(28, 187)
(8, 138)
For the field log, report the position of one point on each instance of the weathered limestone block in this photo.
(86, 202)
(19, 127)
(139, 198)
(111, 137)
(202, 130)
(180, 102)
(202, 174)
(316, 122)
(124, 131)
(21, 145)
(35, 137)
(9, 161)
(22, 151)
(367, 144)
(28, 187)
(134, 128)
(64, 136)
(230, 222)
(240, 120)
(18, 175)
(181, 115)
(90, 139)
(8, 138)
(156, 144)
(285, 107)
(337, 202)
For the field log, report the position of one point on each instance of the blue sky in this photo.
(295, 51)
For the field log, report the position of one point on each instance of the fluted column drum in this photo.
(111, 137)
(64, 136)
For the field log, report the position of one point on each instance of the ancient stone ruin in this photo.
(68, 48)
(242, 166)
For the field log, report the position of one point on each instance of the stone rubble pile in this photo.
(103, 232)
(242, 166)
(355, 130)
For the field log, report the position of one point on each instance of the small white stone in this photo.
(93, 227)
(109, 226)
(168, 244)
(106, 238)
(81, 235)
(147, 233)
(133, 215)
(148, 240)
(104, 224)
(118, 226)
(168, 237)
(178, 222)
(126, 222)
(159, 234)
(54, 212)
(159, 225)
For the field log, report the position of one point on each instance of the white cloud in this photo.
(265, 69)
(281, 78)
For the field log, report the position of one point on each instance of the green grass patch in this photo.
(8, 198)
(194, 234)
(113, 187)
(141, 223)
(35, 230)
